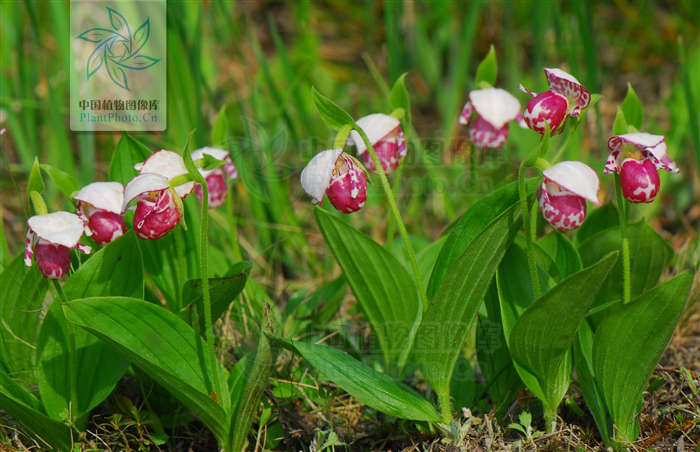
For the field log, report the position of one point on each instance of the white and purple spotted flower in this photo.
(156, 213)
(216, 178)
(170, 165)
(494, 108)
(638, 157)
(385, 134)
(100, 206)
(564, 192)
(338, 176)
(50, 239)
(566, 97)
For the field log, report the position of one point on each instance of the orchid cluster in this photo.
(567, 185)
(341, 177)
(159, 188)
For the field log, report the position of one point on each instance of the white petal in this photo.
(169, 164)
(316, 177)
(217, 153)
(61, 228)
(576, 177)
(561, 74)
(660, 151)
(376, 127)
(641, 139)
(107, 196)
(495, 105)
(143, 183)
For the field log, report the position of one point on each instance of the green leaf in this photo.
(650, 255)
(449, 316)
(332, 114)
(127, 153)
(22, 293)
(27, 410)
(399, 97)
(545, 332)
(629, 343)
(632, 108)
(620, 124)
(36, 182)
(583, 358)
(367, 385)
(247, 391)
(342, 136)
(65, 181)
(487, 71)
(161, 344)
(597, 220)
(471, 224)
(223, 292)
(386, 292)
(115, 270)
(564, 253)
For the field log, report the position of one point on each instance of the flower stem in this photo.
(626, 271)
(204, 257)
(445, 408)
(397, 186)
(397, 216)
(72, 356)
(529, 233)
(568, 141)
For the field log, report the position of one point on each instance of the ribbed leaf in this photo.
(116, 270)
(162, 345)
(632, 108)
(127, 153)
(628, 344)
(487, 71)
(448, 318)
(386, 292)
(332, 114)
(562, 251)
(471, 224)
(27, 410)
(367, 385)
(543, 335)
(22, 293)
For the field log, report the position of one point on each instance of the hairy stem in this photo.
(445, 408)
(397, 216)
(626, 272)
(529, 233)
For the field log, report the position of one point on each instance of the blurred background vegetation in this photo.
(255, 62)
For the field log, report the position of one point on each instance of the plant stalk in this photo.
(529, 233)
(626, 270)
(397, 216)
(445, 408)
(72, 356)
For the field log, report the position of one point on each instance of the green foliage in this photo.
(334, 116)
(487, 71)
(386, 292)
(620, 125)
(127, 153)
(632, 108)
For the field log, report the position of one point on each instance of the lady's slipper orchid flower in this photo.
(495, 108)
(385, 134)
(566, 97)
(339, 177)
(216, 178)
(50, 239)
(170, 165)
(564, 192)
(100, 206)
(638, 157)
(157, 211)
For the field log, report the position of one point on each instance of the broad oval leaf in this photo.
(629, 343)
(399, 96)
(650, 254)
(386, 292)
(65, 181)
(562, 251)
(448, 318)
(27, 410)
(632, 108)
(332, 114)
(543, 335)
(22, 291)
(161, 344)
(367, 385)
(471, 224)
(127, 153)
(487, 71)
(115, 270)
(36, 182)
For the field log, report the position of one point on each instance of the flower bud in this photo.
(387, 139)
(156, 215)
(495, 108)
(338, 176)
(99, 204)
(546, 108)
